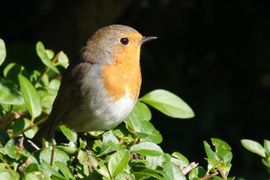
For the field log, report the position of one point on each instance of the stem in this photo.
(46, 70)
(28, 128)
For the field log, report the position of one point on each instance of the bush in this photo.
(130, 151)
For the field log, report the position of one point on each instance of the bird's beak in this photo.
(147, 38)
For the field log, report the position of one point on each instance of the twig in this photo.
(33, 145)
(46, 70)
(53, 152)
(188, 168)
(208, 176)
(28, 128)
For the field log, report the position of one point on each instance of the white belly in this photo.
(100, 114)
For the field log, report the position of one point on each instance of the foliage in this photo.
(257, 148)
(130, 151)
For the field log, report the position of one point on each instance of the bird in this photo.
(100, 89)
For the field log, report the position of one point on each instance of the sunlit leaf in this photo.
(141, 111)
(64, 169)
(2, 51)
(223, 150)
(9, 93)
(59, 155)
(254, 147)
(70, 135)
(62, 60)
(12, 71)
(43, 55)
(21, 124)
(118, 162)
(171, 171)
(209, 152)
(30, 95)
(266, 146)
(168, 103)
(146, 149)
(12, 150)
(144, 129)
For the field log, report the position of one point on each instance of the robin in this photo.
(99, 91)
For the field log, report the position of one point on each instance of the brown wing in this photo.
(69, 96)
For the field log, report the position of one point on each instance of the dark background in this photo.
(215, 54)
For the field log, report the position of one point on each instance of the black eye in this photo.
(124, 41)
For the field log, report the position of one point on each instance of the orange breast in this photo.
(124, 74)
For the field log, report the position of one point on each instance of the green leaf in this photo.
(43, 55)
(61, 156)
(142, 112)
(223, 150)
(100, 167)
(49, 53)
(9, 93)
(154, 161)
(146, 149)
(12, 71)
(118, 162)
(21, 124)
(49, 170)
(9, 175)
(12, 150)
(30, 95)
(183, 161)
(172, 171)
(209, 152)
(70, 135)
(168, 103)
(266, 146)
(125, 176)
(31, 168)
(254, 147)
(54, 85)
(64, 169)
(2, 51)
(143, 129)
(110, 143)
(62, 60)
(146, 173)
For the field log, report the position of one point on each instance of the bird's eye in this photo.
(124, 41)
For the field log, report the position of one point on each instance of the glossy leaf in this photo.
(223, 150)
(61, 156)
(70, 135)
(171, 171)
(146, 149)
(118, 162)
(21, 124)
(266, 146)
(30, 95)
(12, 150)
(64, 169)
(141, 111)
(209, 152)
(110, 143)
(144, 129)
(254, 147)
(12, 71)
(62, 60)
(50, 171)
(9, 93)
(147, 173)
(125, 176)
(168, 103)
(183, 161)
(43, 55)
(2, 51)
